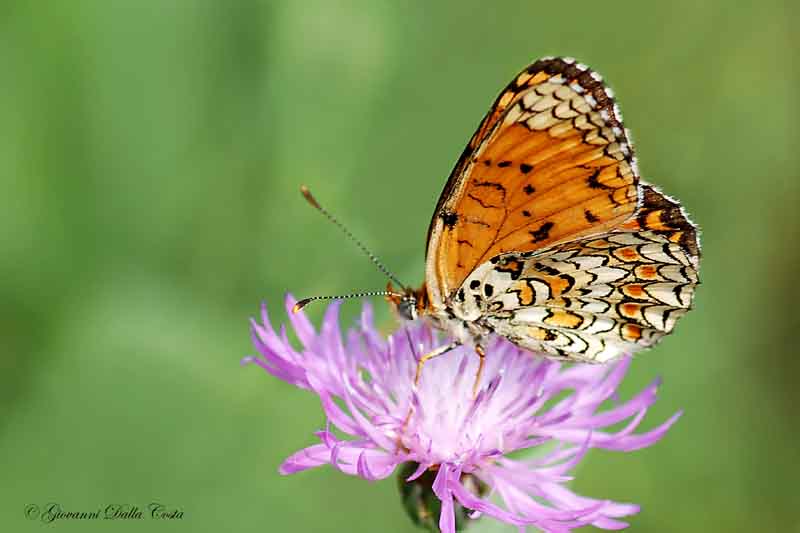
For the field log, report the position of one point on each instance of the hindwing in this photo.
(595, 298)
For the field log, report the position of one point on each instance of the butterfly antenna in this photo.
(313, 201)
(305, 301)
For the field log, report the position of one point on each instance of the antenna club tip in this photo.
(306, 192)
(300, 305)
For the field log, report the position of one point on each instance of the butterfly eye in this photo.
(407, 308)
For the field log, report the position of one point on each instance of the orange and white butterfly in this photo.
(546, 235)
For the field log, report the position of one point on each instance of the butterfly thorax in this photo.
(458, 328)
(461, 321)
(469, 312)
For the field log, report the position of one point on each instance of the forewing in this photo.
(549, 163)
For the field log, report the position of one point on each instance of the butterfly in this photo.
(545, 234)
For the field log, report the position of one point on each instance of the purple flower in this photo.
(365, 384)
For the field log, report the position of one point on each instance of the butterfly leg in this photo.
(430, 355)
(421, 363)
(482, 360)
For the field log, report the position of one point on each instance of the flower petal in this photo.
(366, 389)
(441, 487)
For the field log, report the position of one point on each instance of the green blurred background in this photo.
(150, 158)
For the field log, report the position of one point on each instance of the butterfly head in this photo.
(408, 303)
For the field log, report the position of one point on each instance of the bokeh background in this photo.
(150, 158)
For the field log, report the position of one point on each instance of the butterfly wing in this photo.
(595, 298)
(549, 163)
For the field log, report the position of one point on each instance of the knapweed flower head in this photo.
(457, 439)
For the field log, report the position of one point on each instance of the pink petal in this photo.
(441, 487)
